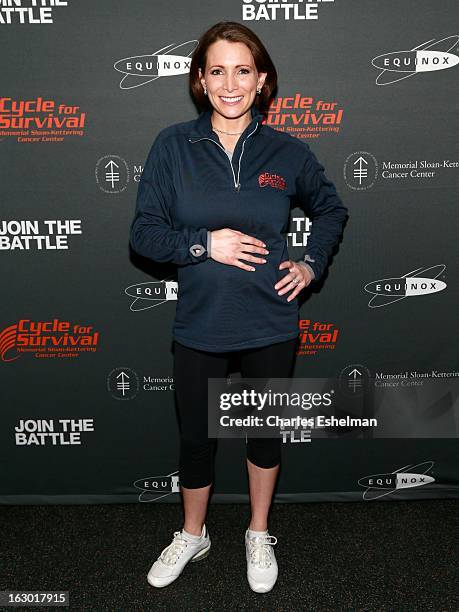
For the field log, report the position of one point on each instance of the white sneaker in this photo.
(262, 567)
(170, 563)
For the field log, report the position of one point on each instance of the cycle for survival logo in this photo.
(47, 339)
(40, 120)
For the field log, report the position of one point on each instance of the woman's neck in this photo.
(234, 126)
(237, 124)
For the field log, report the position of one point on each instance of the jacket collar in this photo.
(202, 125)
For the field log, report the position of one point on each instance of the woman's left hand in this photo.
(297, 279)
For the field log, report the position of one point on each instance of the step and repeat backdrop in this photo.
(88, 412)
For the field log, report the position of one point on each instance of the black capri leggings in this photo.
(191, 369)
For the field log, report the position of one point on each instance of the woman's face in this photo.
(231, 78)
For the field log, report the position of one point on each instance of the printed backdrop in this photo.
(88, 412)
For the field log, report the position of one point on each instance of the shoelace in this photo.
(260, 550)
(172, 552)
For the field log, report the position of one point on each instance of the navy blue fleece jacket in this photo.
(190, 187)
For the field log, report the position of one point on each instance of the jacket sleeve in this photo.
(318, 199)
(152, 232)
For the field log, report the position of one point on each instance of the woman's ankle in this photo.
(258, 526)
(193, 529)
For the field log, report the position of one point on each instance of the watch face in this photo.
(197, 249)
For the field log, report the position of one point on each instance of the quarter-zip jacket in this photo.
(189, 187)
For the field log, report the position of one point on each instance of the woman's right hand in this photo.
(228, 246)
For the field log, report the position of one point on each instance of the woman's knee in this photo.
(264, 452)
(196, 464)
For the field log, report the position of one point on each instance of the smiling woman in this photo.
(231, 88)
(214, 198)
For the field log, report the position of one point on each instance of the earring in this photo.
(258, 91)
(205, 91)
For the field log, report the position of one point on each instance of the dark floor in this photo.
(397, 556)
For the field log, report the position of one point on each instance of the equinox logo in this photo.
(157, 487)
(142, 69)
(427, 57)
(379, 485)
(151, 294)
(389, 290)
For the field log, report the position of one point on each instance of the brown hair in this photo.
(233, 32)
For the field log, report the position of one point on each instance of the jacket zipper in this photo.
(237, 184)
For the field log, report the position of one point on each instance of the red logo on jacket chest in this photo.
(273, 180)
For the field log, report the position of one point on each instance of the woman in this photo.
(214, 198)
